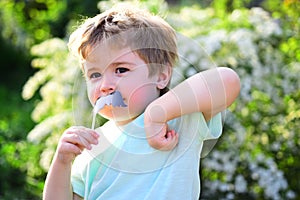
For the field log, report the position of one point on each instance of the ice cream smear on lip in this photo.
(114, 99)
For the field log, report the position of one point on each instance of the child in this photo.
(137, 153)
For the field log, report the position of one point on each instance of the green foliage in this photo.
(16, 15)
(155, 6)
(26, 23)
(19, 166)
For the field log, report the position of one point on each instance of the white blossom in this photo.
(240, 184)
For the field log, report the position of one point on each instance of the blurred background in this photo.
(258, 155)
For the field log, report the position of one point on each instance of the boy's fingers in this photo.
(81, 138)
(170, 141)
(173, 139)
(77, 140)
(68, 147)
(90, 135)
(171, 134)
(93, 133)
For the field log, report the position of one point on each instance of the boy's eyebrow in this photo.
(121, 63)
(113, 64)
(86, 69)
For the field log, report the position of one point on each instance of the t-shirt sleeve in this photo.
(215, 127)
(77, 176)
(194, 125)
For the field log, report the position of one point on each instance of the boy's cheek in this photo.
(141, 98)
(92, 96)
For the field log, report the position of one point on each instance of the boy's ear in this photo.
(164, 77)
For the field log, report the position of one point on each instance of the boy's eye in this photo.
(95, 75)
(121, 70)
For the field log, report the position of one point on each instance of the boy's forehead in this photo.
(106, 54)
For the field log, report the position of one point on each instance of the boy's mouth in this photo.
(114, 99)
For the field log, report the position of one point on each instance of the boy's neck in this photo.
(125, 122)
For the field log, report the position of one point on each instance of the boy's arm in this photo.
(209, 92)
(58, 181)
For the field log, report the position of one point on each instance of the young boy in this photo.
(137, 153)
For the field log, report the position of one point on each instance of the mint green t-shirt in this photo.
(124, 166)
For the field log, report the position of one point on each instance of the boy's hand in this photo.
(159, 137)
(73, 141)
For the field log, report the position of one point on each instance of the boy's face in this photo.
(110, 69)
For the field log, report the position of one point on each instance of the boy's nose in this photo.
(108, 85)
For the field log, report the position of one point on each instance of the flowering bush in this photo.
(257, 156)
(54, 81)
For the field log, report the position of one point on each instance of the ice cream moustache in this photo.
(114, 99)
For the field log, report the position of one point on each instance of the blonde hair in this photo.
(153, 39)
